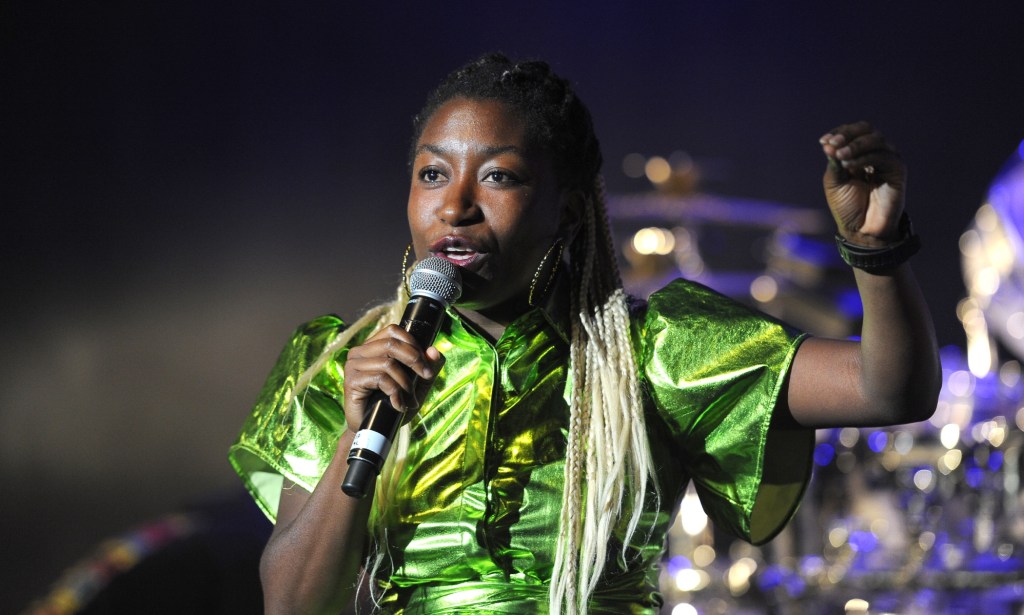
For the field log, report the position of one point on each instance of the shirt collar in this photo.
(553, 312)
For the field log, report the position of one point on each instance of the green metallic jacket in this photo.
(476, 515)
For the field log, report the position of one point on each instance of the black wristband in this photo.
(881, 260)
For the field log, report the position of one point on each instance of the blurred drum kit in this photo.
(921, 519)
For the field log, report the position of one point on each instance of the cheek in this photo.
(530, 237)
(418, 216)
(539, 223)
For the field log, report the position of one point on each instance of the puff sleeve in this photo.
(293, 436)
(714, 370)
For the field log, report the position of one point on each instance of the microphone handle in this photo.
(422, 318)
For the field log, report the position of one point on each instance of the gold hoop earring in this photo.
(560, 244)
(405, 269)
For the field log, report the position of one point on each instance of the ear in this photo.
(570, 219)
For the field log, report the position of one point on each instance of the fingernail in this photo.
(824, 138)
(837, 140)
(843, 153)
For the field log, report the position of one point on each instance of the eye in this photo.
(431, 176)
(500, 177)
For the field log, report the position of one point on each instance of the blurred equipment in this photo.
(920, 519)
(992, 251)
(779, 258)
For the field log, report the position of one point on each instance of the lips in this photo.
(460, 251)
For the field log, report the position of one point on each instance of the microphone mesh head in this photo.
(438, 278)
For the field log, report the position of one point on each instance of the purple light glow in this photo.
(878, 441)
(995, 461)
(823, 454)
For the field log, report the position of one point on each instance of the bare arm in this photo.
(311, 563)
(892, 375)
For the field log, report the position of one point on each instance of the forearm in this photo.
(891, 376)
(900, 373)
(311, 563)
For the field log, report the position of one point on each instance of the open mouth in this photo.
(458, 250)
(460, 256)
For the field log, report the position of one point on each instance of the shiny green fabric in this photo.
(476, 513)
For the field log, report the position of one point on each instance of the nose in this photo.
(460, 206)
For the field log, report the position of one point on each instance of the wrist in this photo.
(345, 441)
(864, 240)
(875, 255)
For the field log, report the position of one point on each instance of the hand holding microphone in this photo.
(388, 367)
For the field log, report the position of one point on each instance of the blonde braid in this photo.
(565, 572)
(605, 409)
(376, 318)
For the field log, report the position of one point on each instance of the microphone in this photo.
(435, 284)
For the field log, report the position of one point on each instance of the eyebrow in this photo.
(492, 150)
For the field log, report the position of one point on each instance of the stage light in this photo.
(979, 349)
(970, 244)
(924, 480)
(703, 556)
(823, 454)
(878, 441)
(738, 576)
(691, 515)
(654, 240)
(985, 281)
(836, 573)
(949, 461)
(764, 288)
(926, 541)
(1015, 325)
(838, 537)
(690, 580)
(949, 436)
(997, 434)
(903, 442)
(846, 462)
(658, 170)
(1009, 372)
(960, 383)
(684, 609)
(986, 218)
(633, 165)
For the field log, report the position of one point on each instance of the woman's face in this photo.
(485, 199)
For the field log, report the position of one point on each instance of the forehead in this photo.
(465, 122)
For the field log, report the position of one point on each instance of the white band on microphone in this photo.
(371, 440)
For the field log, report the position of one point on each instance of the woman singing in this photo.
(555, 423)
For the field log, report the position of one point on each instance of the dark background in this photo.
(184, 183)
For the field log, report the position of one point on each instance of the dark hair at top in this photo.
(557, 120)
